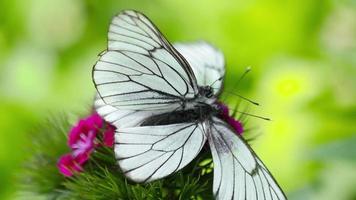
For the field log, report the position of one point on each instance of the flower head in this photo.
(69, 165)
(82, 137)
(83, 140)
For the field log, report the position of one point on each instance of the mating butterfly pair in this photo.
(163, 99)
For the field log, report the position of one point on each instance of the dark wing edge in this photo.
(168, 45)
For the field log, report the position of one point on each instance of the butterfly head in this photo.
(206, 91)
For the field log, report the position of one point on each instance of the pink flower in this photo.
(235, 124)
(108, 138)
(82, 137)
(83, 140)
(68, 165)
(223, 109)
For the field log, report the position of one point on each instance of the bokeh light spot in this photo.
(28, 74)
(289, 87)
(56, 23)
(290, 81)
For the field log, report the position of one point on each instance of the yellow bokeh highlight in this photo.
(290, 87)
(291, 81)
(287, 86)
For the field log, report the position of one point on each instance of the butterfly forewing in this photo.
(238, 172)
(141, 70)
(205, 60)
(148, 153)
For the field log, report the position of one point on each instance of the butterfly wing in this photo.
(140, 69)
(149, 153)
(121, 118)
(238, 172)
(206, 61)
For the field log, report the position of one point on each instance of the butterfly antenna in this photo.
(219, 79)
(252, 115)
(242, 97)
(247, 70)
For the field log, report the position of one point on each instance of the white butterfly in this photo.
(162, 101)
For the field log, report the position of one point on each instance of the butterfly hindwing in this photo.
(238, 173)
(149, 153)
(140, 69)
(206, 61)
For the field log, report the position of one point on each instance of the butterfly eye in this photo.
(206, 91)
(209, 94)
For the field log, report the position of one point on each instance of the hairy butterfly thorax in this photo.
(205, 95)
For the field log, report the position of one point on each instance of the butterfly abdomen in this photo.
(198, 113)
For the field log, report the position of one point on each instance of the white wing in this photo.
(141, 70)
(206, 61)
(121, 118)
(238, 172)
(149, 153)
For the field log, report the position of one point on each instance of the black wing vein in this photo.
(145, 157)
(249, 177)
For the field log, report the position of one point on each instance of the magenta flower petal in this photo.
(84, 146)
(68, 165)
(109, 136)
(224, 109)
(82, 137)
(82, 158)
(235, 124)
(95, 121)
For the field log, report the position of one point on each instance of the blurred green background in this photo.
(302, 54)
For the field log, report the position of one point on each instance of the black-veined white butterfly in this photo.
(162, 101)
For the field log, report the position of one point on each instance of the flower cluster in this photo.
(235, 124)
(83, 139)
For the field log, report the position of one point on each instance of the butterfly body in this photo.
(162, 100)
(200, 113)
